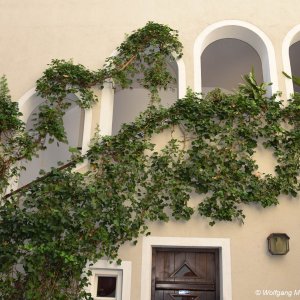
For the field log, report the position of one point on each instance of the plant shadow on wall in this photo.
(51, 228)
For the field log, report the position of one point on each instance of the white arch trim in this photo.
(221, 243)
(27, 103)
(293, 36)
(245, 32)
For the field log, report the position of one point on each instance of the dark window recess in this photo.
(106, 286)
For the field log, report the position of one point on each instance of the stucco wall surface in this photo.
(32, 32)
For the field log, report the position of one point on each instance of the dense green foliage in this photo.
(213, 155)
(16, 144)
(50, 230)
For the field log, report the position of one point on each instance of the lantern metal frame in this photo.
(272, 239)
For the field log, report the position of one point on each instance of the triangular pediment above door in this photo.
(184, 271)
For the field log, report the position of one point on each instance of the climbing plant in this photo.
(212, 155)
(145, 52)
(53, 227)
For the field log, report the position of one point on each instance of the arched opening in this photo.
(75, 123)
(225, 61)
(294, 53)
(129, 103)
(113, 101)
(290, 56)
(246, 37)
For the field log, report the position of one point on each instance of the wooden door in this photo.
(185, 274)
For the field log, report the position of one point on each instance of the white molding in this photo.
(87, 130)
(181, 78)
(292, 37)
(220, 243)
(106, 110)
(125, 267)
(245, 32)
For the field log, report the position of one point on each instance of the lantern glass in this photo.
(278, 243)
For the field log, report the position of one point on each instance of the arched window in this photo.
(291, 58)
(77, 124)
(295, 63)
(226, 50)
(121, 106)
(129, 103)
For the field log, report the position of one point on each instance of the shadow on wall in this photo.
(129, 103)
(295, 62)
(225, 61)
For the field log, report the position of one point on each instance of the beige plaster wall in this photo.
(253, 268)
(32, 32)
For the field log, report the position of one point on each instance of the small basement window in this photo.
(109, 281)
(107, 284)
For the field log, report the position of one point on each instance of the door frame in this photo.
(222, 244)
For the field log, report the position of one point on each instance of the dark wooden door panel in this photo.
(185, 274)
(173, 295)
(165, 264)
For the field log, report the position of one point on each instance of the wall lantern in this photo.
(278, 243)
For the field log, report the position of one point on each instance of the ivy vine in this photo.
(52, 228)
(213, 156)
(146, 52)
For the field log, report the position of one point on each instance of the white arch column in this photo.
(106, 110)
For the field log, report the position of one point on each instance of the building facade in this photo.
(222, 41)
